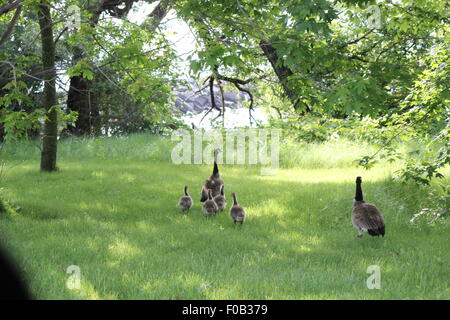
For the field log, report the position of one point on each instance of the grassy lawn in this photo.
(111, 210)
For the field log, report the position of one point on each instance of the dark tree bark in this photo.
(2, 132)
(80, 99)
(50, 138)
(9, 6)
(282, 72)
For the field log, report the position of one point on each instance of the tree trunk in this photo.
(79, 100)
(2, 132)
(282, 72)
(50, 138)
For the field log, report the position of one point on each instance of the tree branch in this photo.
(11, 5)
(11, 25)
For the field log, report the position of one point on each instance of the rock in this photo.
(190, 100)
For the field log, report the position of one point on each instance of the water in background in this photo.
(233, 118)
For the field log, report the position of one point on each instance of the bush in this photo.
(438, 209)
(6, 209)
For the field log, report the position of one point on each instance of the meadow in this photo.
(111, 210)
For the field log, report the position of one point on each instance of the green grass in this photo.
(111, 210)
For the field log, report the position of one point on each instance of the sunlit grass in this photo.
(114, 215)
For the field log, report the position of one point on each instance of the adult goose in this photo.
(365, 216)
(214, 182)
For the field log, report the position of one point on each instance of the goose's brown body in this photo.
(186, 201)
(220, 199)
(214, 184)
(365, 216)
(210, 207)
(237, 212)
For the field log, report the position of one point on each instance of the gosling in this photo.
(186, 202)
(209, 206)
(220, 199)
(237, 212)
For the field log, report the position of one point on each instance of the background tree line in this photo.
(326, 59)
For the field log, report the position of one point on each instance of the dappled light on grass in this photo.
(121, 249)
(269, 208)
(118, 221)
(323, 175)
(325, 155)
(98, 174)
(127, 177)
(86, 291)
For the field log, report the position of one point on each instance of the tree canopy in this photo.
(387, 60)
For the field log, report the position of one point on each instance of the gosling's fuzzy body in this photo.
(214, 182)
(220, 199)
(365, 216)
(237, 212)
(186, 202)
(209, 206)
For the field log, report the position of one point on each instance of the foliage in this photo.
(132, 69)
(340, 64)
(129, 63)
(7, 210)
(395, 72)
(385, 81)
(425, 115)
(438, 210)
(17, 124)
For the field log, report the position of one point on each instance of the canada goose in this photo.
(237, 212)
(365, 216)
(214, 182)
(220, 199)
(185, 202)
(210, 207)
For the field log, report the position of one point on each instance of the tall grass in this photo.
(136, 146)
(331, 154)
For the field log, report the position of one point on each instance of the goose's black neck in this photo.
(234, 199)
(216, 169)
(358, 194)
(185, 191)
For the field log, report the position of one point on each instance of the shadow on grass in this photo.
(120, 224)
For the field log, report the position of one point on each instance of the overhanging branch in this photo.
(11, 24)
